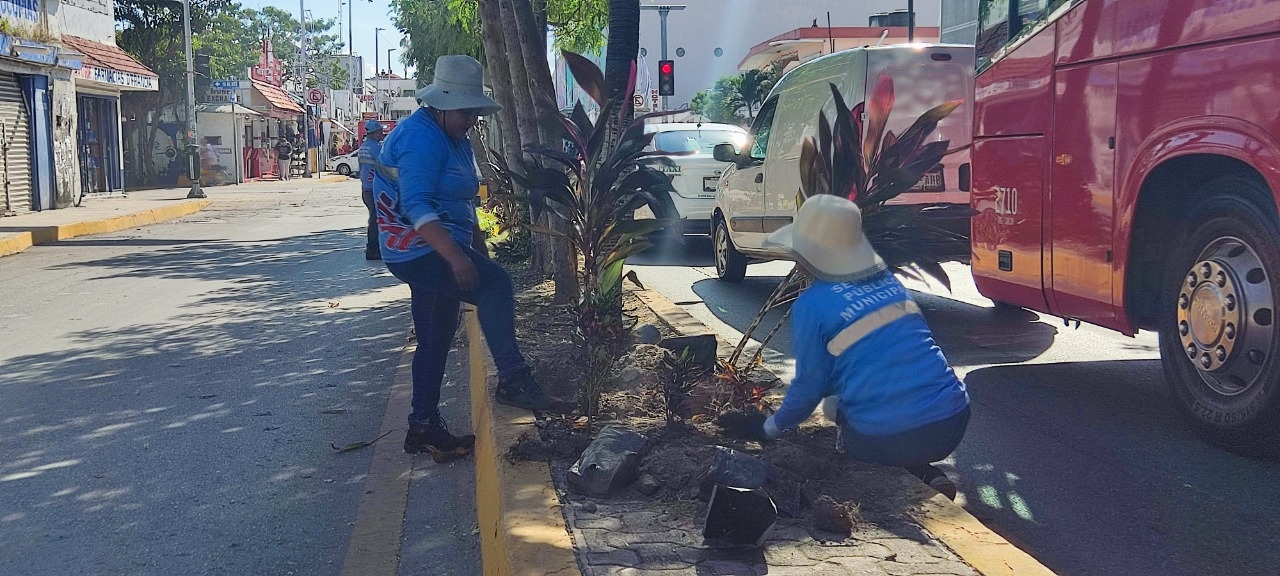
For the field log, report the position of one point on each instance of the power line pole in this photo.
(193, 150)
(306, 108)
(662, 12)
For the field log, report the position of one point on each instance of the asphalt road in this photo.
(1075, 452)
(169, 396)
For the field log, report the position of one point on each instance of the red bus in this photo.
(1126, 167)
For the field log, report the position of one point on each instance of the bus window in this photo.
(1003, 22)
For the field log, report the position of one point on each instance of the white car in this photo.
(695, 176)
(346, 164)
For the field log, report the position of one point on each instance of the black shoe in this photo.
(434, 438)
(522, 391)
(372, 256)
(936, 479)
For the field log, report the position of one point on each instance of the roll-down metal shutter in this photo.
(15, 147)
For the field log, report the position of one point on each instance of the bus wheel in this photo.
(1218, 340)
(731, 265)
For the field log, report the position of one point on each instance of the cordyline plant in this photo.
(595, 187)
(870, 166)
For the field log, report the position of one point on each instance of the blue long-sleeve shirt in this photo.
(893, 379)
(368, 158)
(423, 176)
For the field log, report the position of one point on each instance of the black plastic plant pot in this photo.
(738, 518)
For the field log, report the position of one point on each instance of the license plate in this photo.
(709, 183)
(931, 181)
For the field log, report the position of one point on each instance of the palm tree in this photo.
(620, 58)
(753, 86)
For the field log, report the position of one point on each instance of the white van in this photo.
(694, 173)
(757, 193)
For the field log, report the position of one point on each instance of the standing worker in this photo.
(858, 336)
(425, 189)
(374, 132)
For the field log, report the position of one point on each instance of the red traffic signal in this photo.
(666, 77)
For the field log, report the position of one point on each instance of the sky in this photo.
(367, 16)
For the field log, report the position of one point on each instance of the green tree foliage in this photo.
(721, 103)
(579, 24)
(433, 29)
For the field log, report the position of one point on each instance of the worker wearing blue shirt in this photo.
(374, 132)
(860, 338)
(425, 190)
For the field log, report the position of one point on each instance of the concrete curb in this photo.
(987, 552)
(37, 235)
(522, 529)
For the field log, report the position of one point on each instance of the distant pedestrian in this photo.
(859, 337)
(284, 154)
(374, 132)
(425, 189)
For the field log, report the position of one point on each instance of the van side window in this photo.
(761, 129)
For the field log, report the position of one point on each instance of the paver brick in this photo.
(911, 551)
(599, 523)
(856, 566)
(625, 539)
(613, 557)
(659, 557)
(777, 555)
(731, 568)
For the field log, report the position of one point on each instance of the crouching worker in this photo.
(858, 336)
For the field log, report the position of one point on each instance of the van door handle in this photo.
(759, 177)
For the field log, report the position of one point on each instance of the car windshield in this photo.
(696, 141)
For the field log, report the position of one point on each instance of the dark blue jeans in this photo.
(434, 303)
(371, 234)
(914, 449)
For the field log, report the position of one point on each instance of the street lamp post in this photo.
(663, 10)
(193, 166)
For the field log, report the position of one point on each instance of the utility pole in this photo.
(193, 149)
(306, 108)
(911, 20)
(663, 10)
(377, 71)
(351, 62)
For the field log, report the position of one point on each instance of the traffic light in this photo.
(666, 77)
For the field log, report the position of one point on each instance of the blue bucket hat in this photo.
(373, 126)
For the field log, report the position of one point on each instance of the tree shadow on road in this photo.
(197, 426)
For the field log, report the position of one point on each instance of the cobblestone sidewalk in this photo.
(630, 535)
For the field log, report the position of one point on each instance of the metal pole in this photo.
(911, 20)
(662, 12)
(192, 147)
(306, 108)
(236, 152)
(377, 71)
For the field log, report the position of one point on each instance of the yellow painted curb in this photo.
(15, 244)
(522, 530)
(982, 549)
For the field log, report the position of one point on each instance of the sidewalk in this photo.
(531, 525)
(133, 209)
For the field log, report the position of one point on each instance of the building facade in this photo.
(708, 40)
(61, 77)
(959, 21)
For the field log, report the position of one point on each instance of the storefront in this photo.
(107, 71)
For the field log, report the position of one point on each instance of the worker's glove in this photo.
(744, 424)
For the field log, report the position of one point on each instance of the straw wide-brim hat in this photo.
(457, 84)
(827, 238)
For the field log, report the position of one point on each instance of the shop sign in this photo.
(216, 95)
(118, 78)
(27, 10)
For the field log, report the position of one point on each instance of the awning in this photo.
(108, 66)
(277, 97)
(225, 108)
(339, 125)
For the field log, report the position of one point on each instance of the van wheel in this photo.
(344, 170)
(1218, 340)
(731, 265)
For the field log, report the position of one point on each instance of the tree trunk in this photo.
(542, 260)
(620, 55)
(496, 54)
(546, 117)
